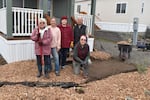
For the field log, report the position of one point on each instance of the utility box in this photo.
(135, 30)
(135, 24)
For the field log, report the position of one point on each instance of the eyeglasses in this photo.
(42, 22)
(83, 39)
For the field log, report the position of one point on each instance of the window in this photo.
(30, 3)
(142, 9)
(79, 8)
(18, 3)
(25, 3)
(121, 8)
(2, 3)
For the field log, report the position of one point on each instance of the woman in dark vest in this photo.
(79, 29)
(80, 56)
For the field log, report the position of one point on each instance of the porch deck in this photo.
(19, 46)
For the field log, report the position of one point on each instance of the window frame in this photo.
(3, 4)
(122, 9)
(142, 7)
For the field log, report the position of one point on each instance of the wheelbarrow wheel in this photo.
(123, 56)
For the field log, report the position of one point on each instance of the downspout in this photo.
(93, 8)
(70, 7)
(51, 9)
(45, 6)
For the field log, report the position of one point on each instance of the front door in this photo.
(63, 8)
(49, 6)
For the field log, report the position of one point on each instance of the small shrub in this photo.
(141, 68)
(147, 92)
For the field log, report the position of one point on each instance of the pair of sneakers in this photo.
(62, 67)
(85, 75)
(46, 75)
(57, 73)
(40, 74)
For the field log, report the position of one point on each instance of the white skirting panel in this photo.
(120, 27)
(16, 50)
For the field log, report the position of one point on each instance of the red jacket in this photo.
(66, 36)
(46, 40)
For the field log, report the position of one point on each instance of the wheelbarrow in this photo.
(147, 46)
(124, 51)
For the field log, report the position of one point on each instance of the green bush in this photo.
(141, 68)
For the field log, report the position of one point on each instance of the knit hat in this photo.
(64, 17)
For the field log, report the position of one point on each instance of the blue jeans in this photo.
(77, 66)
(63, 56)
(47, 63)
(56, 58)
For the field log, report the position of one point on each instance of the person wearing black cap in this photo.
(66, 40)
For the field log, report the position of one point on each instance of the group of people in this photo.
(56, 40)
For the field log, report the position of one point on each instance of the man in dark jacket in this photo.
(79, 29)
(81, 56)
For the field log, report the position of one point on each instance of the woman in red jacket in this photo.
(42, 38)
(66, 40)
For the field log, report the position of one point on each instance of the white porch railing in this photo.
(24, 20)
(120, 27)
(87, 20)
(3, 26)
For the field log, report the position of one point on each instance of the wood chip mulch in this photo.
(125, 86)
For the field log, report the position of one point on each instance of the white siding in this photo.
(16, 50)
(3, 26)
(145, 17)
(106, 10)
(85, 6)
(120, 27)
(107, 18)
